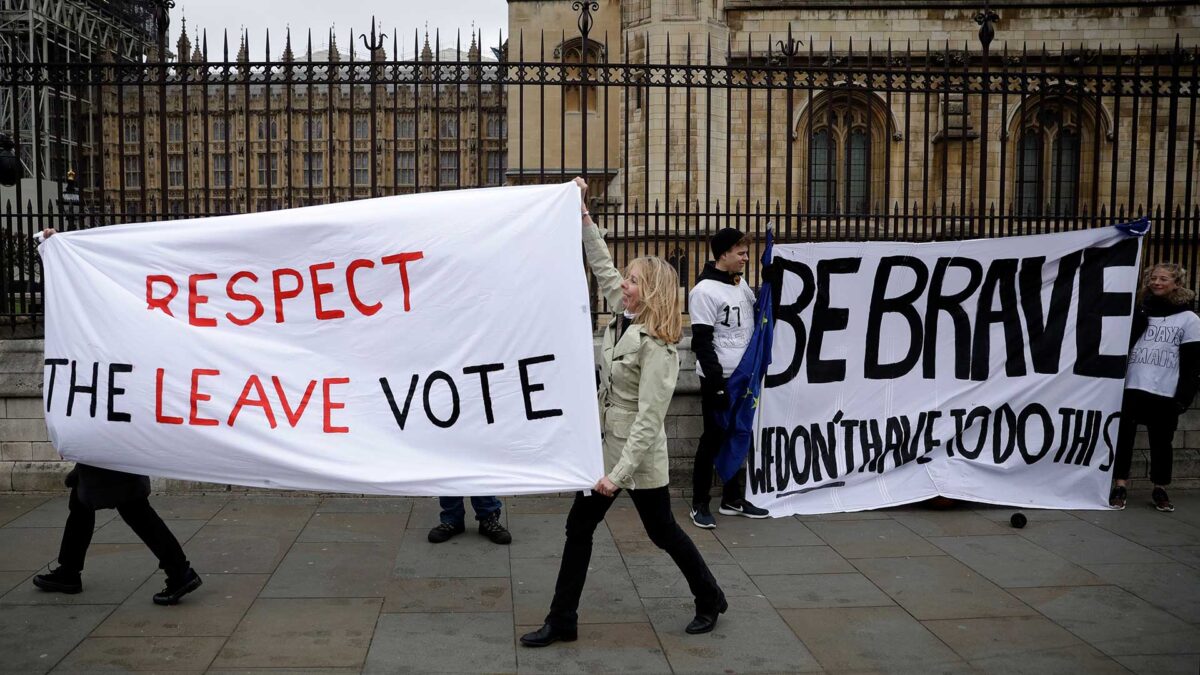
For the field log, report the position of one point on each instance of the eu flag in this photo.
(745, 384)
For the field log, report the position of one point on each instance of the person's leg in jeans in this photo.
(150, 528)
(734, 489)
(487, 512)
(586, 514)
(77, 534)
(485, 507)
(1161, 430)
(706, 450)
(452, 520)
(453, 511)
(1125, 435)
(654, 507)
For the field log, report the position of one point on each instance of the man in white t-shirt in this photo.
(721, 305)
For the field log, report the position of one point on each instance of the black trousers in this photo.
(654, 507)
(141, 518)
(713, 406)
(1158, 414)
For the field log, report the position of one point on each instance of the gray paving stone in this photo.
(35, 639)
(53, 513)
(757, 561)
(1003, 513)
(1154, 664)
(1082, 543)
(542, 536)
(112, 572)
(28, 548)
(302, 633)
(189, 507)
(1061, 661)
(213, 610)
(443, 643)
(15, 506)
(561, 505)
(363, 528)
(623, 523)
(1144, 526)
(1015, 562)
(327, 570)
(1170, 586)
(608, 596)
(878, 639)
(749, 638)
(467, 555)
(955, 522)
(975, 639)
(372, 504)
(939, 588)
(872, 539)
(1188, 555)
(117, 532)
(9, 580)
(267, 511)
(638, 552)
(806, 591)
(239, 549)
(1113, 620)
(601, 648)
(448, 594)
(734, 531)
(125, 654)
(666, 581)
(882, 514)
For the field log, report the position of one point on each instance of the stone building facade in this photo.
(253, 140)
(1055, 149)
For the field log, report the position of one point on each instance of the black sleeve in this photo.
(706, 355)
(1189, 374)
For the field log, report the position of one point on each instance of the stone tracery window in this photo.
(572, 53)
(1052, 150)
(845, 134)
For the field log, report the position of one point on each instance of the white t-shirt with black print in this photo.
(1154, 359)
(729, 310)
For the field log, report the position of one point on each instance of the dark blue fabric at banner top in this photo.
(745, 384)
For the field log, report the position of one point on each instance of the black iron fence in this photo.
(678, 139)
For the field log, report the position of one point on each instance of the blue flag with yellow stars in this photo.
(745, 384)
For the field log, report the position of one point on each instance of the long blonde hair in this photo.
(658, 284)
(1182, 295)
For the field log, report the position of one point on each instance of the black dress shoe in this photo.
(706, 621)
(548, 635)
(59, 580)
(177, 588)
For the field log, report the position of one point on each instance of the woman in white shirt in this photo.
(1163, 374)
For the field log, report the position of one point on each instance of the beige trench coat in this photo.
(637, 381)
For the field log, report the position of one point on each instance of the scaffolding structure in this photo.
(52, 125)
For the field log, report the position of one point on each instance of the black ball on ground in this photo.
(1018, 520)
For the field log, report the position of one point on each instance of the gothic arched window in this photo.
(1053, 148)
(844, 135)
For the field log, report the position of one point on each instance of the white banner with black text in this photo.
(986, 370)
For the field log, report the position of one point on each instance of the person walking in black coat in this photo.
(94, 488)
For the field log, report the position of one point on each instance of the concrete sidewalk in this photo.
(349, 584)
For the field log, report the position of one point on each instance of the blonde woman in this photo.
(1163, 374)
(637, 379)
